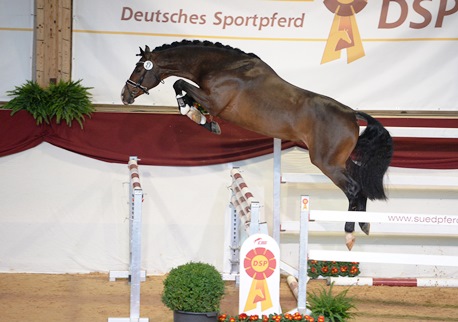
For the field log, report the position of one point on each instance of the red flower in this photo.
(324, 269)
(354, 270)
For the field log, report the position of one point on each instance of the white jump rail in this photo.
(436, 220)
(391, 180)
(306, 254)
(135, 275)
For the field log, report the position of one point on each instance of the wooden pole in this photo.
(53, 41)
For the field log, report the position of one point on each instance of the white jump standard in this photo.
(244, 221)
(135, 275)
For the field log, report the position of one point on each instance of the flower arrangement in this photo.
(332, 268)
(271, 318)
(324, 306)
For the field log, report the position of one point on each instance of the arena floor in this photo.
(91, 297)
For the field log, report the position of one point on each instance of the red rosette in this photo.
(259, 263)
(345, 8)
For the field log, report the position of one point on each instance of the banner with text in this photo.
(16, 42)
(372, 55)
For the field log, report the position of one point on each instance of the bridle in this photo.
(139, 83)
(148, 65)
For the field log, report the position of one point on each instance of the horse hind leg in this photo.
(365, 226)
(350, 187)
(334, 161)
(352, 191)
(357, 202)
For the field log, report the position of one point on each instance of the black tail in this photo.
(372, 154)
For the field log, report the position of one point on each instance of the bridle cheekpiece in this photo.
(148, 65)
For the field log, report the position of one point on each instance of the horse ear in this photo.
(147, 50)
(141, 52)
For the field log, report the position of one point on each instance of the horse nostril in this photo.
(125, 100)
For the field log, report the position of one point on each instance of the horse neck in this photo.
(191, 63)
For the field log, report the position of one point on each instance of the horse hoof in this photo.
(215, 128)
(349, 240)
(365, 227)
(212, 127)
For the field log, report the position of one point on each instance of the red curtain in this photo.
(174, 140)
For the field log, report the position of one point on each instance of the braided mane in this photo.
(204, 43)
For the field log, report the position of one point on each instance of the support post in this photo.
(303, 255)
(254, 222)
(135, 274)
(53, 41)
(276, 191)
(135, 254)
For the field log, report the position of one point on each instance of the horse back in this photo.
(249, 93)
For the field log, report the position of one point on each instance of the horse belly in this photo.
(267, 121)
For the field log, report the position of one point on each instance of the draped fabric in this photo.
(174, 140)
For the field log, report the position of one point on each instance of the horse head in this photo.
(144, 77)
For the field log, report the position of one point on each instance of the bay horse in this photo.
(241, 88)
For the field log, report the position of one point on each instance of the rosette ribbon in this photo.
(259, 264)
(344, 33)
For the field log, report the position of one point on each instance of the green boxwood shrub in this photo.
(193, 287)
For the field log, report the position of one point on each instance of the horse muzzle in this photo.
(131, 90)
(126, 96)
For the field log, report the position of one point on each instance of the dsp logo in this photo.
(344, 33)
(425, 11)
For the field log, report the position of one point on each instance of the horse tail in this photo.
(371, 157)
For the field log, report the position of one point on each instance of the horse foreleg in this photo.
(193, 93)
(186, 102)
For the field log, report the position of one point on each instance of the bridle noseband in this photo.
(139, 84)
(148, 65)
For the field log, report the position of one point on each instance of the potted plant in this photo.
(69, 101)
(65, 101)
(336, 308)
(194, 292)
(31, 98)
